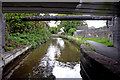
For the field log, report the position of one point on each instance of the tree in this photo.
(20, 32)
(71, 24)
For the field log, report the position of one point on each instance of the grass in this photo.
(72, 39)
(77, 40)
(99, 40)
(81, 40)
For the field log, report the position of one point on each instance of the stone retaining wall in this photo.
(11, 56)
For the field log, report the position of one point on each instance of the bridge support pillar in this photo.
(116, 36)
(116, 32)
(1, 40)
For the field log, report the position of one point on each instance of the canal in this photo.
(57, 58)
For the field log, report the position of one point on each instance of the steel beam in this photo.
(56, 18)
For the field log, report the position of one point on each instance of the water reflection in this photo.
(60, 41)
(61, 60)
(62, 70)
(50, 66)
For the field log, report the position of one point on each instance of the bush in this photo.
(36, 37)
(20, 32)
(70, 32)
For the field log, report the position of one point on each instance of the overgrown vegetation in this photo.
(24, 33)
(72, 39)
(67, 25)
(71, 31)
(53, 30)
(36, 32)
(77, 41)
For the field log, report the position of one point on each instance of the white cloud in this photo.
(96, 23)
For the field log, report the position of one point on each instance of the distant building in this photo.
(82, 28)
(102, 32)
(80, 31)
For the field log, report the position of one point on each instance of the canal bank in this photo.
(18, 43)
(7, 57)
(15, 56)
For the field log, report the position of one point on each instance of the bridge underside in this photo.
(91, 8)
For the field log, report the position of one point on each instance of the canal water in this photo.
(57, 58)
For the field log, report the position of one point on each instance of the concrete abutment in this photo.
(1, 40)
(116, 32)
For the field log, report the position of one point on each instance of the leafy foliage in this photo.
(71, 31)
(35, 37)
(53, 30)
(24, 33)
(77, 41)
(71, 24)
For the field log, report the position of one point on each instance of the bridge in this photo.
(75, 7)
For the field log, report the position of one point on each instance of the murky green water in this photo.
(56, 58)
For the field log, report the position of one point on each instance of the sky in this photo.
(95, 23)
